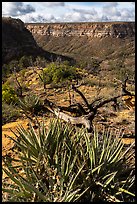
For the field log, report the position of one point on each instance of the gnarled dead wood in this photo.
(19, 87)
(102, 103)
(82, 120)
(124, 90)
(85, 119)
(85, 114)
(74, 108)
(82, 96)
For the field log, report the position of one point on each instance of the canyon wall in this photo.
(92, 30)
(18, 41)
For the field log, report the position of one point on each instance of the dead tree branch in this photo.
(124, 87)
(124, 90)
(82, 96)
(85, 118)
(19, 88)
(82, 120)
(74, 108)
(83, 115)
(42, 78)
(102, 103)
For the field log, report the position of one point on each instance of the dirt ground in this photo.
(123, 119)
(7, 129)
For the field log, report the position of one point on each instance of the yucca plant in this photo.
(64, 164)
(30, 104)
(49, 166)
(110, 173)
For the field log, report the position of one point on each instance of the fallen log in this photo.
(82, 120)
(84, 113)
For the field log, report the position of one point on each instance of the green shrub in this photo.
(8, 69)
(17, 65)
(8, 94)
(56, 73)
(9, 113)
(92, 66)
(31, 104)
(64, 164)
(40, 61)
(24, 62)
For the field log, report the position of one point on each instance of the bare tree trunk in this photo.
(86, 114)
(82, 120)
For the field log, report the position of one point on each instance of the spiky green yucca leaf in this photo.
(106, 154)
(67, 164)
(30, 104)
(48, 156)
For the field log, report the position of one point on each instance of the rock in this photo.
(18, 41)
(87, 43)
(92, 30)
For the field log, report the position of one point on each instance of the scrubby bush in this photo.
(40, 61)
(57, 73)
(9, 113)
(66, 164)
(30, 104)
(8, 69)
(8, 94)
(92, 66)
(17, 65)
(24, 62)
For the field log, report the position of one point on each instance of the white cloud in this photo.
(105, 18)
(35, 17)
(109, 4)
(126, 14)
(53, 3)
(80, 17)
(84, 11)
(118, 11)
(111, 11)
(16, 8)
(70, 11)
(73, 17)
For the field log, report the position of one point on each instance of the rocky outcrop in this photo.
(84, 41)
(92, 30)
(18, 41)
(75, 41)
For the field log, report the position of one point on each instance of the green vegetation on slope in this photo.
(91, 53)
(55, 72)
(66, 164)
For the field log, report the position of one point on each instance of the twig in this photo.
(82, 96)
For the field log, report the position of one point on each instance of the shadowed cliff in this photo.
(18, 41)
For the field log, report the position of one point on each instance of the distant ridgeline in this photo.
(95, 46)
(84, 41)
(92, 30)
(18, 41)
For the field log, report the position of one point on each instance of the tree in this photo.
(86, 112)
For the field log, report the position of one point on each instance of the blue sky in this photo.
(69, 11)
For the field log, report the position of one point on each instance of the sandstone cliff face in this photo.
(111, 45)
(18, 41)
(84, 41)
(92, 30)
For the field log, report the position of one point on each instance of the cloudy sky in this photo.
(31, 12)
